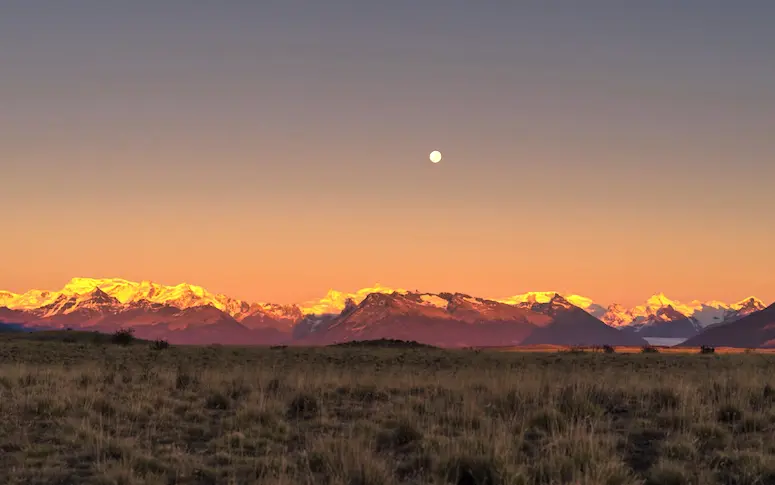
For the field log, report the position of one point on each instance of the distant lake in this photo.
(669, 342)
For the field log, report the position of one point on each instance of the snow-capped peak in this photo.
(67, 302)
(660, 308)
(127, 292)
(82, 292)
(750, 302)
(6, 297)
(582, 302)
(561, 302)
(556, 304)
(335, 301)
(659, 300)
(81, 286)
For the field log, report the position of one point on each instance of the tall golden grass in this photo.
(86, 413)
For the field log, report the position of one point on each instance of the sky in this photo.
(273, 150)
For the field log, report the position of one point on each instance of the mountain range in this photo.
(188, 314)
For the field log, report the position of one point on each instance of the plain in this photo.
(87, 411)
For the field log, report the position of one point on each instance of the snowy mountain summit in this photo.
(191, 313)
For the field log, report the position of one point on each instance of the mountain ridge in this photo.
(106, 301)
(185, 295)
(460, 320)
(756, 330)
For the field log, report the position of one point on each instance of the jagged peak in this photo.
(558, 299)
(98, 292)
(659, 299)
(671, 311)
(183, 295)
(750, 301)
(349, 304)
(334, 300)
(438, 300)
(379, 297)
(546, 296)
(96, 296)
(126, 292)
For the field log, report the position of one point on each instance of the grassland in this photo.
(95, 413)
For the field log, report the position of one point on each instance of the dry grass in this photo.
(633, 350)
(90, 413)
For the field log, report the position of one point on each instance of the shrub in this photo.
(303, 406)
(664, 398)
(385, 343)
(609, 349)
(668, 474)
(400, 437)
(160, 345)
(273, 386)
(464, 470)
(185, 379)
(123, 336)
(706, 349)
(649, 349)
(548, 421)
(217, 400)
(729, 414)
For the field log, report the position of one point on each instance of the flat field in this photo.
(97, 413)
(631, 350)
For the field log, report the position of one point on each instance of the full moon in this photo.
(435, 156)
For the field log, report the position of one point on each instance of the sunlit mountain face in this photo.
(459, 320)
(665, 321)
(753, 331)
(191, 314)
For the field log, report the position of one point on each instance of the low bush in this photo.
(160, 344)
(123, 336)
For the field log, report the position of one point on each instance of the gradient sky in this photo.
(272, 150)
